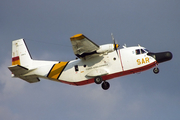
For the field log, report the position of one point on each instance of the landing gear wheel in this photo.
(98, 80)
(105, 85)
(156, 70)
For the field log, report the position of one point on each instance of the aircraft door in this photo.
(128, 57)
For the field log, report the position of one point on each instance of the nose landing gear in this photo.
(105, 85)
(156, 70)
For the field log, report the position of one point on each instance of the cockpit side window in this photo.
(138, 52)
(142, 51)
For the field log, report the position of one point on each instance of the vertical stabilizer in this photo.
(20, 54)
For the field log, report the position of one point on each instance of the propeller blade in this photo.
(113, 38)
(114, 42)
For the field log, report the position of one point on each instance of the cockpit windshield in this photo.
(141, 51)
(146, 50)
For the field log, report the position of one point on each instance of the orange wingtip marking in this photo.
(77, 37)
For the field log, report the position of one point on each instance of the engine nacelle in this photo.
(106, 48)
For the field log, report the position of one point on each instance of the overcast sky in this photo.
(47, 25)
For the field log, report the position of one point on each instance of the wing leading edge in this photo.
(82, 46)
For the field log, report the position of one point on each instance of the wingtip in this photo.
(77, 37)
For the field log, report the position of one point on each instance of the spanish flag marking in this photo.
(16, 61)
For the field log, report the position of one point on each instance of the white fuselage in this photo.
(95, 64)
(113, 64)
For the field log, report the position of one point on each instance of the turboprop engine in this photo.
(107, 48)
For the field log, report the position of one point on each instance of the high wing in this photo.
(83, 47)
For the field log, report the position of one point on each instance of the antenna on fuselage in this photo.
(124, 46)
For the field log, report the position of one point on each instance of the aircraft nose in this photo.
(161, 56)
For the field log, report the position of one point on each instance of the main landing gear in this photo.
(98, 80)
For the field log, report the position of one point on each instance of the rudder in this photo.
(20, 54)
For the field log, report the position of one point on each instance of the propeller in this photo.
(114, 42)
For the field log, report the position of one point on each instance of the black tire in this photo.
(98, 80)
(105, 85)
(156, 70)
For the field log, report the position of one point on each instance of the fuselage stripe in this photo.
(66, 63)
(121, 60)
(56, 70)
(50, 70)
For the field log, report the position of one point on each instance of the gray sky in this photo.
(47, 26)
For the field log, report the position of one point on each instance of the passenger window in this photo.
(76, 68)
(138, 52)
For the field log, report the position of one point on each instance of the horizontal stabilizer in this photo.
(20, 71)
(17, 69)
(30, 79)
